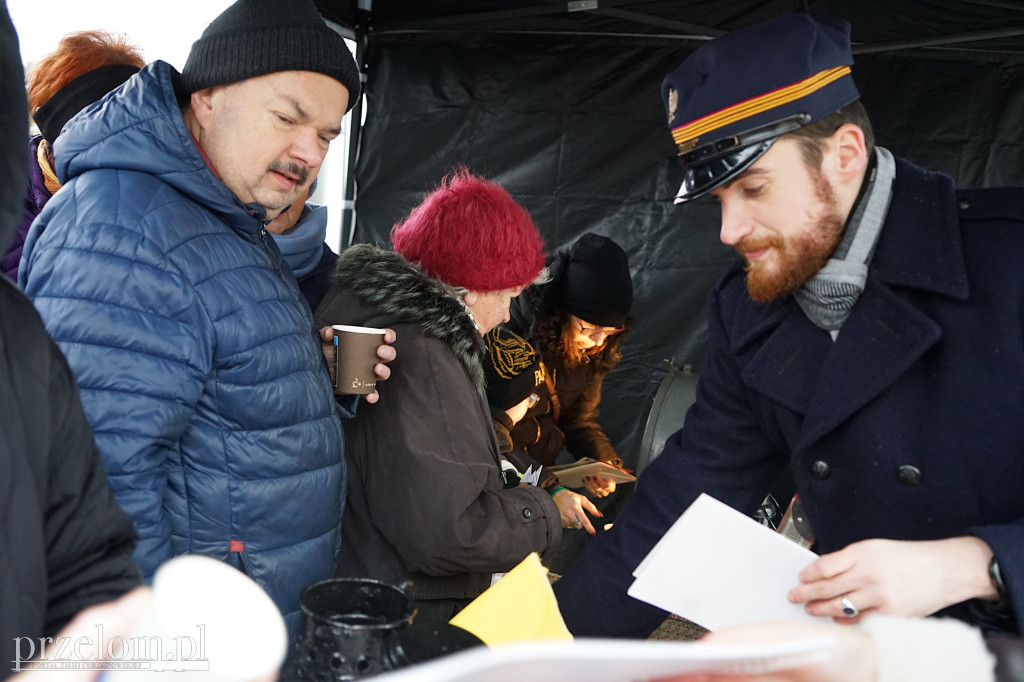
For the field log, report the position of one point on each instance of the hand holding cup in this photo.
(356, 358)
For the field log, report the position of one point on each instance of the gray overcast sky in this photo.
(161, 31)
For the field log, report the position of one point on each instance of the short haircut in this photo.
(810, 136)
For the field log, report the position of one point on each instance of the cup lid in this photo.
(357, 330)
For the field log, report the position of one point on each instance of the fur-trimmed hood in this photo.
(386, 281)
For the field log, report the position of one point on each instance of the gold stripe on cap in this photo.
(757, 105)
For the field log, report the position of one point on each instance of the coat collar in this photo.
(387, 282)
(799, 366)
(920, 244)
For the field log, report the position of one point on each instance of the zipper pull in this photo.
(265, 237)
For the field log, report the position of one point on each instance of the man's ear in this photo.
(851, 152)
(201, 104)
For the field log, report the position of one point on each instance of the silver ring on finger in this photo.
(849, 610)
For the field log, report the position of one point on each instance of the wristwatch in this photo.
(996, 576)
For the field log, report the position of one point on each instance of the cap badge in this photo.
(673, 104)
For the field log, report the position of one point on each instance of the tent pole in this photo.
(937, 41)
(348, 214)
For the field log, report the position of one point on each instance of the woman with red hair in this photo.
(426, 498)
(84, 67)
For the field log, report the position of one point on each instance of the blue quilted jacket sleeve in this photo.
(137, 336)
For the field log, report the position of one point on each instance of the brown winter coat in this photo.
(426, 501)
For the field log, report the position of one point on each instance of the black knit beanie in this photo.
(256, 37)
(594, 283)
(90, 87)
(512, 368)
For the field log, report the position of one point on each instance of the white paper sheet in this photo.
(608, 660)
(718, 567)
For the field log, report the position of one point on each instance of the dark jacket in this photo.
(906, 427)
(502, 425)
(66, 543)
(529, 433)
(315, 284)
(200, 370)
(517, 457)
(570, 417)
(578, 390)
(35, 198)
(426, 501)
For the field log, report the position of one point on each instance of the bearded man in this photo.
(868, 339)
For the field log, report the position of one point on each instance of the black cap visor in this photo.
(721, 161)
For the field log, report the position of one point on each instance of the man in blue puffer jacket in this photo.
(199, 365)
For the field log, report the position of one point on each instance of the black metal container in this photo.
(349, 630)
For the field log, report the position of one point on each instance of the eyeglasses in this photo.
(598, 331)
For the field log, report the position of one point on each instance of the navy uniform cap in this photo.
(735, 95)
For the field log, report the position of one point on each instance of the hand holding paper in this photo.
(572, 475)
(718, 567)
(515, 615)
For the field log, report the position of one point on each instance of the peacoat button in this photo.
(964, 203)
(908, 475)
(820, 470)
(527, 513)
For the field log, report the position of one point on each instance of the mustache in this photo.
(293, 169)
(756, 244)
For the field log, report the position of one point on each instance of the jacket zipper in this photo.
(294, 292)
(264, 237)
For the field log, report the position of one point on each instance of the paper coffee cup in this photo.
(355, 355)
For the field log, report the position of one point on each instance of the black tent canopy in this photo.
(560, 102)
(971, 25)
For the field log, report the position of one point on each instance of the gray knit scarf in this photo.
(828, 296)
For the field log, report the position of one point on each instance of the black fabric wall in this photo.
(575, 129)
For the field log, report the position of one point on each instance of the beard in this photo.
(799, 257)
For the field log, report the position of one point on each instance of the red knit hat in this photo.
(470, 233)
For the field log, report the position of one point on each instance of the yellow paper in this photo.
(519, 607)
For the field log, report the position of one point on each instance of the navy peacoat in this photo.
(908, 426)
